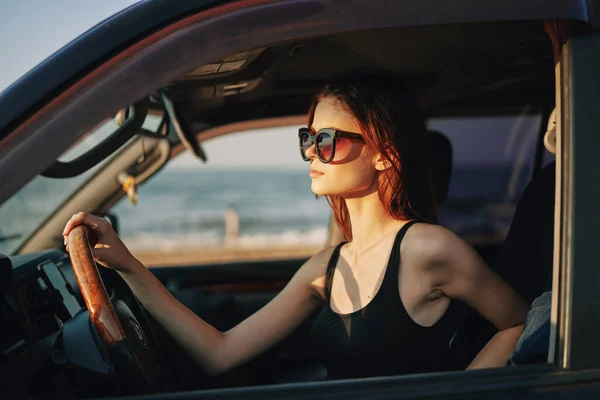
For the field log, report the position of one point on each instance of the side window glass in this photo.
(493, 158)
(251, 200)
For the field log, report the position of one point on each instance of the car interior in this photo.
(480, 72)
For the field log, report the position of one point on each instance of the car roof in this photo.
(84, 53)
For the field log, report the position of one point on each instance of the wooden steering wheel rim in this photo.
(102, 312)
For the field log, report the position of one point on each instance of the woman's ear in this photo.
(382, 163)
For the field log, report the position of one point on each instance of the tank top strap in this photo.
(394, 260)
(331, 270)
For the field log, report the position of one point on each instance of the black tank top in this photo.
(380, 338)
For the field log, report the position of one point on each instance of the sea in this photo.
(185, 209)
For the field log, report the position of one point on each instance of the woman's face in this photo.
(352, 172)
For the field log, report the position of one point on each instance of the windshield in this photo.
(29, 207)
(26, 210)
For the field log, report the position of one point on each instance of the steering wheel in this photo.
(124, 340)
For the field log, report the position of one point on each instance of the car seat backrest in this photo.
(526, 258)
(442, 158)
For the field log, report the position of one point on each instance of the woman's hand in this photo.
(108, 249)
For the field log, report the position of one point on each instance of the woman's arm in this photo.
(215, 351)
(465, 276)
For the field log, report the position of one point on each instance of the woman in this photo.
(387, 294)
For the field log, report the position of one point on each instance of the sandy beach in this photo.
(216, 255)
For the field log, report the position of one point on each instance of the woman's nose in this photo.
(311, 152)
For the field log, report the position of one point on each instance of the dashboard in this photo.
(48, 346)
(39, 294)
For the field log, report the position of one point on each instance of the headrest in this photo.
(442, 164)
(550, 135)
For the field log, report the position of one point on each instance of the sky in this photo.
(31, 30)
(271, 148)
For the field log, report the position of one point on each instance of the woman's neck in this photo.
(370, 220)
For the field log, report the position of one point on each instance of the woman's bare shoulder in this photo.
(313, 271)
(318, 262)
(429, 241)
(427, 234)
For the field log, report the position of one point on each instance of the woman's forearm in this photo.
(202, 341)
(498, 349)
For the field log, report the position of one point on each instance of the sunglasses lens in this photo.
(325, 146)
(343, 148)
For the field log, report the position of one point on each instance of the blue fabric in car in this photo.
(532, 346)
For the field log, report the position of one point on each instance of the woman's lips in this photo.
(315, 174)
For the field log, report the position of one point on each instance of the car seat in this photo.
(526, 258)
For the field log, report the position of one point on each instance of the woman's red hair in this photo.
(392, 124)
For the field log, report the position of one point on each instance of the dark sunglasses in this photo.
(325, 141)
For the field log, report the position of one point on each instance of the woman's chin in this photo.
(318, 190)
(321, 191)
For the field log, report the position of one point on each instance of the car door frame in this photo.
(576, 306)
